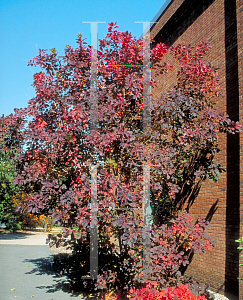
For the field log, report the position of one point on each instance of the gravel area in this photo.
(59, 250)
(217, 296)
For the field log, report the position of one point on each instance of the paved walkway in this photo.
(26, 270)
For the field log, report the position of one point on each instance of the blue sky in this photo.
(29, 25)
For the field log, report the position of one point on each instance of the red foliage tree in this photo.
(61, 147)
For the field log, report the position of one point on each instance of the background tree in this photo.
(12, 195)
(8, 215)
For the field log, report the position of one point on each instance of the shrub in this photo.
(171, 247)
(182, 292)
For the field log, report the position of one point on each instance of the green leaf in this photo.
(239, 241)
(111, 162)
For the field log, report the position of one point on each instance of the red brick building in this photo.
(219, 22)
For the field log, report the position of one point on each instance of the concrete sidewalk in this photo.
(26, 270)
(23, 239)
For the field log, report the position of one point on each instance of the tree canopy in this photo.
(62, 148)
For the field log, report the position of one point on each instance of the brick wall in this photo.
(239, 13)
(220, 22)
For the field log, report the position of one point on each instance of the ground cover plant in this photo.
(240, 247)
(173, 293)
(62, 151)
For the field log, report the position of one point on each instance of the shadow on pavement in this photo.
(13, 236)
(46, 266)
